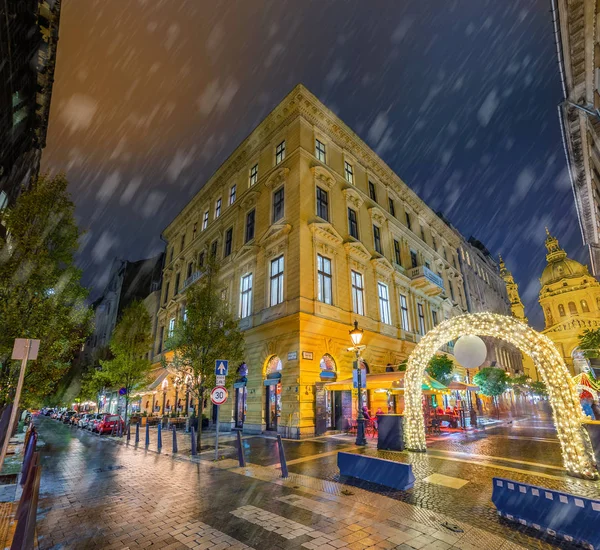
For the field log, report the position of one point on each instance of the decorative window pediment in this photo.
(277, 178)
(274, 233)
(326, 232)
(377, 215)
(250, 199)
(383, 267)
(244, 251)
(323, 176)
(356, 250)
(353, 197)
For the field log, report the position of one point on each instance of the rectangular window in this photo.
(182, 241)
(408, 224)
(232, 193)
(377, 239)
(413, 258)
(324, 279)
(217, 208)
(171, 326)
(177, 280)
(250, 225)
(172, 254)
(397, 252)
(433, 243)
(184, 314)
(404, 313)
(278, 204)
(445, 253)
(213, 248)
(427, 265)
(166, 299)
(320, 151)
(253, 175)
(392, 207)
(161, 337)
(352, 223)
(451, 291)
(384, 303)
(280, 152)
(358, 301)
(372, 192)
(228, 242)
(246, 296)
(190, 270)
(423, 234)
(201, 260)
(348, 173)
(276, 281)
(205, 221)
(434, 318)
(322, 204)
(421, 319)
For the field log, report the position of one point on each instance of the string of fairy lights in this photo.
(568, 416)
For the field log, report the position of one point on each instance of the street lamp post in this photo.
(356, 335)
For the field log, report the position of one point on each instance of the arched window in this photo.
(572, 308)
(274, 365)
(561, 310)
(549, 318)
(584, 306)
(327, 363)
(165, 384)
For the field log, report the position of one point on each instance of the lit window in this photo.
(171, 327)
(384, 303)
(584, 306)
(322, 204)
(253, 174)
(278, 204)
(358, 302)
(320, 151)
(217, 208)
(324, 279)
(377, 239)
(246, 296)
(421, 319)
(348, 172)
(277, 281)
(561, 310)
(352, 223)
(372, 192)
(232, 192)
(250, 225)
(205, 221)
(228, 242)
(280, 153)
(572, 308)
(404, 313)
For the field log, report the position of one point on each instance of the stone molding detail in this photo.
(383, 267)
(353, 198)
(250, 199)
(377, 215)
(277, 178)
(326, 233)
(357, 251)
(323, 176)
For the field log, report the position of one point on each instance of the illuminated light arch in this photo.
(566, 409)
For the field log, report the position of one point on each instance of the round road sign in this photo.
(218, 395)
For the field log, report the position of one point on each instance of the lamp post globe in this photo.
(356, 335)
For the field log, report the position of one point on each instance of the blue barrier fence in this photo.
(396, 475)
(576, 519)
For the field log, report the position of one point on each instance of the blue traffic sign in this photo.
(221, 367)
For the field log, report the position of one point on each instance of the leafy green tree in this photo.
(440, 368)
(403, 366)
(209, 332)
(40, 292)
(493, 382)
(589, 343)
(539, 388)
(130, 343)
(93, 383)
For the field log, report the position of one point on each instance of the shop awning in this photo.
(155, 379)
(462, 386)
(388, 381)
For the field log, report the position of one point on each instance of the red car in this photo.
(107, 423)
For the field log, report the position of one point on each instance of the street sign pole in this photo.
(217, 436)
(218, 396)
(21, 350)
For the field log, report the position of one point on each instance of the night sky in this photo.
(459, 99)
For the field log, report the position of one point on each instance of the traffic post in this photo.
(219, 395)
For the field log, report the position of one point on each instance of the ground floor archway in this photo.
(567, 413)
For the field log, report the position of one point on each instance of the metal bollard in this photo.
(193, 441)
(174, 440)
(137, 433)
(128, 432)
(284, 470)
(159, 433)
(147, 434)
(241, 458)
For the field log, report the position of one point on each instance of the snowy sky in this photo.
(459, 99)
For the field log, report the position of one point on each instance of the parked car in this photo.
(91, 425)
(109, 423)
(84, 419)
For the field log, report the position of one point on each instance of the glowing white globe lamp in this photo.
(470, 351)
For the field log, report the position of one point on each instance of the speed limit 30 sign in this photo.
(218, 395)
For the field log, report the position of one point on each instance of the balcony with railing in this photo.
(191, 279)
(426, 280)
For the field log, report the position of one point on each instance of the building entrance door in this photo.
(240, 407)
(273, 406)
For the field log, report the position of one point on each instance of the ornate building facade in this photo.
(313, 231)
(570, 298)
(577, 30)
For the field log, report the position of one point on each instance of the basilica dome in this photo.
(559, 265)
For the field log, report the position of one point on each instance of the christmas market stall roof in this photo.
(393, 381)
